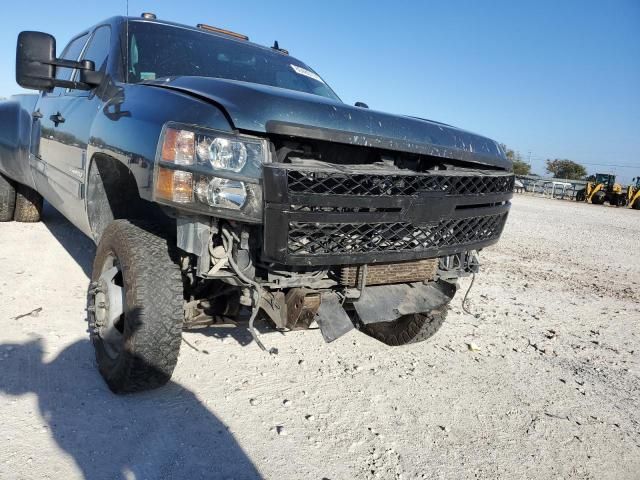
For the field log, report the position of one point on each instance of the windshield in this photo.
(157, 51)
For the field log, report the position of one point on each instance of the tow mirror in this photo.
(36, 64)
(35, 57)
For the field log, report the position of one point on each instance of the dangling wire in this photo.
(227, 240)
(257, 296)
(464, 300)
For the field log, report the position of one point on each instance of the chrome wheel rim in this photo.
(108, 306)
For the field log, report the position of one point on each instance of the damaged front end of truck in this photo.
(341, 230)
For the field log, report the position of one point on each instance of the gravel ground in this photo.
(543, 381)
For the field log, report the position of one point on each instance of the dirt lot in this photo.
(543, 382)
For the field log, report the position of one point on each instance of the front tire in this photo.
(413, 328)
(7, 199)
(135, 307)
(599, 198)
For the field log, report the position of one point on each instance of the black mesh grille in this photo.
(322, 239)
(325, 209)
(338, 183)
(351, 214)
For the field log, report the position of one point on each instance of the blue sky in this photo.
(559, 79)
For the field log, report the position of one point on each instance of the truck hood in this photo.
(259, 108)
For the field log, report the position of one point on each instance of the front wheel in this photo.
(135, 307)
(599, 198)
(413, 328)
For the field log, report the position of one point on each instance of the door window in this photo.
(98, 49)
(71, 52)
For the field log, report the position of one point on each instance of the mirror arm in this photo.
(90, 78)
(83, 65)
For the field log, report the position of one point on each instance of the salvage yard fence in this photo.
(560, 188)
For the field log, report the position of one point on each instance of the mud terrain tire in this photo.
(7, 199)
(152, 307)
(28, 205)
(407, 329)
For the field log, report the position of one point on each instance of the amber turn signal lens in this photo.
(174, 185)
(178, 146)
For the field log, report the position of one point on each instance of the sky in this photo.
(551, 79)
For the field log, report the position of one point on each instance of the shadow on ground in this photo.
(166, 433)
(80, 247)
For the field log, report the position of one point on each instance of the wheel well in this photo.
(112, 193)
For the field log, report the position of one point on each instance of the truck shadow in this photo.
(240, 332)
(165, 433)
(80, 247)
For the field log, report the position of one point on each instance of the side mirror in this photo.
(35, 60)
(36, 64)
(361, 105)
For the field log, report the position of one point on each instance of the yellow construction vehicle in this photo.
(633, 194)
(603, 189)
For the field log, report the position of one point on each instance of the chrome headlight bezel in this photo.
(186, 170)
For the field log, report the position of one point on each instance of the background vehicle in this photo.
(633, 194)
(603, 189)
(217, 175)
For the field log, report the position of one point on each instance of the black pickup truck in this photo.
(225, 181)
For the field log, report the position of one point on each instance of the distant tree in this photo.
(520, 167)
(511, 155)
(564, 168)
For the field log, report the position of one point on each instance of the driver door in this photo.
(54, 180)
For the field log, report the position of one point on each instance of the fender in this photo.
(128, 126)
(15, 137)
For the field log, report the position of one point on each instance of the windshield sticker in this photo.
(306, 73)
(147, 75)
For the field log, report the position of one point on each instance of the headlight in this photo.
(211, 172)
(220, 150)
(222, 192)
(223, 153)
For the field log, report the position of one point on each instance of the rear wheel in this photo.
(580, 196)
(28, 205)
(617, 201)
(135, 307)
(413, 328)
(636, 204)
(7, 199)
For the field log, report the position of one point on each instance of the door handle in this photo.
(57, 118)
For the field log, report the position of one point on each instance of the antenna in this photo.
(126, 47)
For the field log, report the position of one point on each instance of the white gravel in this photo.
(550, 389)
